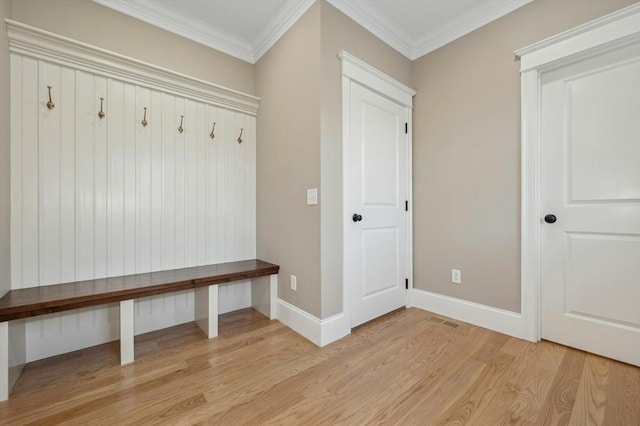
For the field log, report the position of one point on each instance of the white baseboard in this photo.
(320, 332)
(500, 320)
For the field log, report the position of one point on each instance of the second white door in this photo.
(591, 204)
(377, 265)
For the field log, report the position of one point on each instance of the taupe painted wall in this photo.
(466, 152)
(288, 160)
(339, 32)
(100, 26)
(5, 176)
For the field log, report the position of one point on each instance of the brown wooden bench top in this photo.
(33, 301)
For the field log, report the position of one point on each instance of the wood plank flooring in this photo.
(410, 367)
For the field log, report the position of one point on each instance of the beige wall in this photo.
(5, 189)
(339, 32)
(100, 26)
(288, 160)
(466, 152)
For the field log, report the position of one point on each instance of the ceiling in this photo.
(246, 29)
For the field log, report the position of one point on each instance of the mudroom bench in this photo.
(34, 301)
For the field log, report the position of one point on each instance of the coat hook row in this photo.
(181, 129)
(50, 104)
(240, 137)
(101, 113)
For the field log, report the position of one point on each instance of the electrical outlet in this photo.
(456, 276)
(294, 283)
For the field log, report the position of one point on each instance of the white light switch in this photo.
(312, 196)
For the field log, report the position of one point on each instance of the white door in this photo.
(591, 184)
(376, 261)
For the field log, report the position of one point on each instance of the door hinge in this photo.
(406, 206)
(406, 128)
(406, 283)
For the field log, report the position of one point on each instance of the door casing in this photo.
(615, 30)
(355, 70)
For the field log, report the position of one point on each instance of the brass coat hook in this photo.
(180, 129)
(101, 113)
(144, 119)
(50, 104)
(213, 135)
(240, 137)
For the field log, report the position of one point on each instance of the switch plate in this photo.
(456, 276)
(312, 196)
(294, 283)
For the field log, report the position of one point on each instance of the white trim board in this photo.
(363, 73)
(36, 43)
(321, 332)
(610, 31)
(500, 320)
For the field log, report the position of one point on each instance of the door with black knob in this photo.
(376, 234)
(590, 237)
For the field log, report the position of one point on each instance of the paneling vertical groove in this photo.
(98, 197)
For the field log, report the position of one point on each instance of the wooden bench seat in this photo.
(29, 302)
(33, 301)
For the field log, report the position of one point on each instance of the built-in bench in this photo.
(34, 301)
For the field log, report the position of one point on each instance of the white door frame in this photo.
(611, 31)
(354, 69)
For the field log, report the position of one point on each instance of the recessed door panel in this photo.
(380, 268)
(603, 110)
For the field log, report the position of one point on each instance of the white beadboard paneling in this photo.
(143, 177)
(85, 153)
(68, 176)
(217, 215)
(190, 183)
(179, 237)
(33, 99)
(154, 117)
(100, 166)
(17, 116)
(130, 179)
(49, 176)
(115, 172)
(96, 197)
(168, 208)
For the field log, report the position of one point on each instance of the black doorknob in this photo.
(356, 217)
(550, 218)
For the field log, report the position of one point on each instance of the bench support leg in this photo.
(126, 332)
(4, 360)
(13, 355)
(273, 295)
(264, 293)
(206, 309)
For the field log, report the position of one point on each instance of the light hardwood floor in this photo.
(410, 367)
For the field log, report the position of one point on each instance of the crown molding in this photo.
(441, 36)
(247, 50)
(463, 26)
(40, 44)
(286, 18)
(155, 14)
(375, 27)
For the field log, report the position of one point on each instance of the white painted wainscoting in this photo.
(97, 197)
